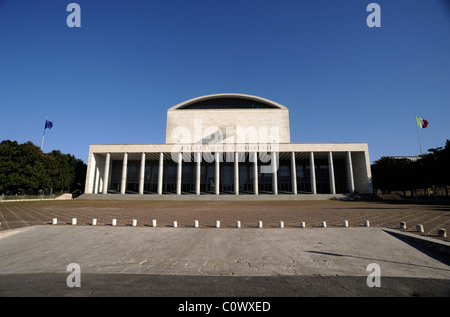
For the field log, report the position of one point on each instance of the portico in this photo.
(149, 169)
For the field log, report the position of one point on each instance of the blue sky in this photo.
(112, 80)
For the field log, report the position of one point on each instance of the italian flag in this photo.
(421, 123)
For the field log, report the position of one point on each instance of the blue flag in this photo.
(48, 124)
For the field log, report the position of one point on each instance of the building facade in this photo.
(228, 144)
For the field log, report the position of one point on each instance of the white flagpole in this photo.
(418, 134)
(43, 135)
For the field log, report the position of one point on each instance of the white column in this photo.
(90, 174)
(100, 185)
(106, 181)
(160, 173)
(217, 173)
(255, 174)
(179, 171)
(331, 172)
(351, 182)
(312, 172)
(274, 173)
(123, 184)
(293, 174)
(198, 172)
(97, 177)
(142, 174)
(236, 173)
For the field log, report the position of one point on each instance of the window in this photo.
(229, 103)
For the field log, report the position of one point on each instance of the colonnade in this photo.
(103, 169)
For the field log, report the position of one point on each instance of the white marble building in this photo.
(228, 144)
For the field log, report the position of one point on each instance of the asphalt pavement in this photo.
(211, 262)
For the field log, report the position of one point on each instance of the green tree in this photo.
(24, 167)
(431, 169)
(438, 166)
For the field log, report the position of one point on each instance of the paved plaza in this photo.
(270, 212)
(185, 261)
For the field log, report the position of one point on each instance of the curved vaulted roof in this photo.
(228, 101)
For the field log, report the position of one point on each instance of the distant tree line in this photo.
(25, 169)
(429, 171)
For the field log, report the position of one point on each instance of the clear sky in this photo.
(112, 80)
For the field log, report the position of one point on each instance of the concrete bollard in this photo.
(442, 232)
(345, 223)
(260, 224)
(324, 224)
(402, 225)
(175, 224)
(217, 224)
(281, 224)
(74, 221)
(366, 223)
(195, 223)
(302, 224)
(94, 222)
(114, 222)
(134, 223)
(419, 228)
(238, 224)
(55, 221)
(154, 223)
